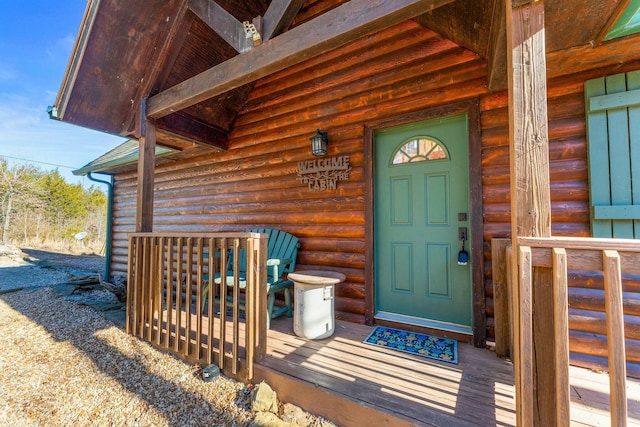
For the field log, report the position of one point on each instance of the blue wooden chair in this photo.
(281, 259)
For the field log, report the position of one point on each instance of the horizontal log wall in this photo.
(570, 211)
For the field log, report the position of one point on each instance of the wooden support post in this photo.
(531, 201)
(501, 312)
(146, 171)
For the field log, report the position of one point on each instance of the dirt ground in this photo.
(64, 363)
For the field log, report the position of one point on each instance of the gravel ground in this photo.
(31, 268)
(65, 364)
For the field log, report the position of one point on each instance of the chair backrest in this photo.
(281, 245)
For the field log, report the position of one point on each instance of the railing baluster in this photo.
(525, 347)
(176, 344)
(160, 288)
(140, 288)
(210, 297)
(615, 337)
(198, 309)
(144, 294)
(131, 269)
(187, 303)
(153, 290)
(236, 305)
(561, 332)
(223, 302)
(169, 290)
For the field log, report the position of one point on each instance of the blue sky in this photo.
(36, 38)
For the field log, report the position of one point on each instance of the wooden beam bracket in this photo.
(252, 33)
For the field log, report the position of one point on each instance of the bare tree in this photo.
(16, 186)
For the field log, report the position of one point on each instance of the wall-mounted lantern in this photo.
(319, 143)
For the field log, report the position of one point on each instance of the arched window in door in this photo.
(419, 149)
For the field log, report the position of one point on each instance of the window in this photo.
(613, 130)
(419, 149)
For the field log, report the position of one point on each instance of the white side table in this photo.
(314, 294)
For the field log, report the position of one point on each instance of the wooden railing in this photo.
(173, 303)
(612, 257)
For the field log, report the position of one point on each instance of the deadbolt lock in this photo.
(462, 233)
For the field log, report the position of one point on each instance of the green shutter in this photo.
(613, 131)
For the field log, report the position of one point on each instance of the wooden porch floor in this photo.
(356, 384)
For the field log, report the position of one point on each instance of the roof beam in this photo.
(193, 129)
(222, 22)
(497, 49)
(328, 31)
(581, 58)
(279, 16)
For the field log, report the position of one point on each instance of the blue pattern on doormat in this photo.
(443, 349)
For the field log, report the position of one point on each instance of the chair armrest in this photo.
(274, 263)
(278, 261)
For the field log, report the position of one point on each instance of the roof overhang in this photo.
(184, 63)
(125, 154)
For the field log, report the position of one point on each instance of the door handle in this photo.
(463, 255)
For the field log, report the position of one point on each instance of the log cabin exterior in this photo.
(239, 118)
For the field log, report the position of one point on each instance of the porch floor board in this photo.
(357, 384)
(394, 387)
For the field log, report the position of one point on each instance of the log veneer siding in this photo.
(570, 212)
(400, 70)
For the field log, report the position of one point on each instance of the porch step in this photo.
(333, 406)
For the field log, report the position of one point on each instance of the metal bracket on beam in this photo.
(251, 32)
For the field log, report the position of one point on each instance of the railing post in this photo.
(561, 332)
(524, 325)
(261, 298)
(615, 337)
(251, 305)
(501, 312)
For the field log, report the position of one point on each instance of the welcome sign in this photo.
(324, 174)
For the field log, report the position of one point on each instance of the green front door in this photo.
(421, 206)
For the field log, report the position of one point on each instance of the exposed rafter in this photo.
(165, 54)
(222, 22)
(279, 16)
(328, 31)
(497, 49)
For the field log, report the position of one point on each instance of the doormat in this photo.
(443, 349)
